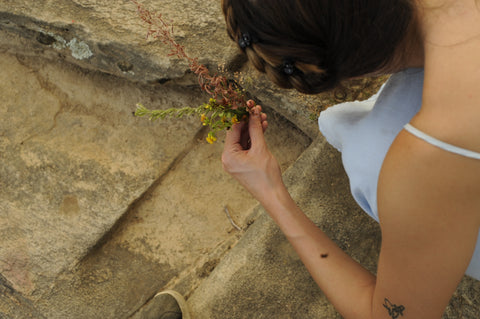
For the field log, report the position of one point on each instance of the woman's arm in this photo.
(420, 263)
(429, 212)
(346, 283)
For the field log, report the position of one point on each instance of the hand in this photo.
(247, 158)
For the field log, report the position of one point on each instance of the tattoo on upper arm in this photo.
(393, 310)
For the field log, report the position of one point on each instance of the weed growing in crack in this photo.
(227, 104)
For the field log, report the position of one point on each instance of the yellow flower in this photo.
(203, 118)
(211, 139)
(211, 103)
(234, 119)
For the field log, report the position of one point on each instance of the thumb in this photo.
(255, 129)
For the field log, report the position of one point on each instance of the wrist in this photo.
(272, 193)
(280, 206)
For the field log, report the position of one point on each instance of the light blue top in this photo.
(364, 131)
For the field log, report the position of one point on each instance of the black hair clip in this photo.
(245, 40)
(288, 67)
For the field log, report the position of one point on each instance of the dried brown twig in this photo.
(227, 105)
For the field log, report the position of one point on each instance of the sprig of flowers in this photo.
(217, 116)
(227, 104)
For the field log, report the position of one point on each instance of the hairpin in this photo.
(288, 67)
(245, 40)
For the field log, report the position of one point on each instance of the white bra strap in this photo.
(444, 146)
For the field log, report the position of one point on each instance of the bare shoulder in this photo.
(451, 97)
(429, 212)
(450, 112)
(430, 183)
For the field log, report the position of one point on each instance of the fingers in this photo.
(250, 106)
(256, 128)
(264, 116)
(264, 126)
(239, 137)
(264, 122)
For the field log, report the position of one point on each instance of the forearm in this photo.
(347, 285)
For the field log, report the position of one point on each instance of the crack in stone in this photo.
(12, 299)
(49, 130)
(48, 87)
(133, 207)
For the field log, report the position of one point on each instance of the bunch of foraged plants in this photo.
(227, 104)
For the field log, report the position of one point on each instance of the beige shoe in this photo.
(167, 304)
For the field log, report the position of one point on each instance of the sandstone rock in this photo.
(173, 237)
(73, 159)
(109, 36)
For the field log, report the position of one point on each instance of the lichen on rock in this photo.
(80, 50)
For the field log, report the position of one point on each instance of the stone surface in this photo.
(173, 237)
(73, 159)
(109, 36)
(96, 201)
(13, 304)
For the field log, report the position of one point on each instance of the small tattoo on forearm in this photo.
(393, 310)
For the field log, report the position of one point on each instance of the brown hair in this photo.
(313, 45)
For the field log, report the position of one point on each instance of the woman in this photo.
(421, 181)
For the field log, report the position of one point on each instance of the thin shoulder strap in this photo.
(444, 146)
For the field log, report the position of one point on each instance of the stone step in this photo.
(97, 201)
(73, 159)
(82, 176)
